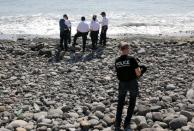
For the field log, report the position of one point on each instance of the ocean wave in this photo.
(139, 24)
(39, 24)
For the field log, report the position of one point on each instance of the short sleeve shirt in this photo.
(125, 68)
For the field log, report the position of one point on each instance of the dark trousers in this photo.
(69, 37)
(63, 39)
(84, 38)
(94, 38)
(124, 87)
(103, 35)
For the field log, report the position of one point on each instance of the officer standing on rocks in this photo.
(82, 31)
(128, 71)
(104, 24)
(68, 23)
(94, 31)
(64, 31)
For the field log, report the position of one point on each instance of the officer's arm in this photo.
(138, 72)
(60, 24)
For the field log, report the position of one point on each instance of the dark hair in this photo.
(103, 13)
(83, 18)
(94, 17)
(65, 16)
(123, 45)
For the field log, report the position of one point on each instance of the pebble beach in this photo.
(79, 93)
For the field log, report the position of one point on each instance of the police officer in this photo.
(104, 28)
(82, 31)
(94, 31)
(128, 71)
(68, 23)
(63, 33)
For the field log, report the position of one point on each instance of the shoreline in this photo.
(15, 37)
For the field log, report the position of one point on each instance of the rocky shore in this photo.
(80, 91)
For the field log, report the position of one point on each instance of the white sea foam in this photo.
(121, 23)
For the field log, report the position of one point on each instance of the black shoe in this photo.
(117, 129)
(127, 128)
(61, 48)
(66, 49)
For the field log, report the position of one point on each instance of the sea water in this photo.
(152, 17)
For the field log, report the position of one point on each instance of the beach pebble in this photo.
(2, 108)
(99, 114)
(142, 109)
(108, 120)
(55, 113)
(178, 123)
(141, 122)
(157, 116)
(20, 129)
(188, 114)
(17, 123)
(40, 115)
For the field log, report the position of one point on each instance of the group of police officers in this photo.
(82, 31)
(127, 68)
